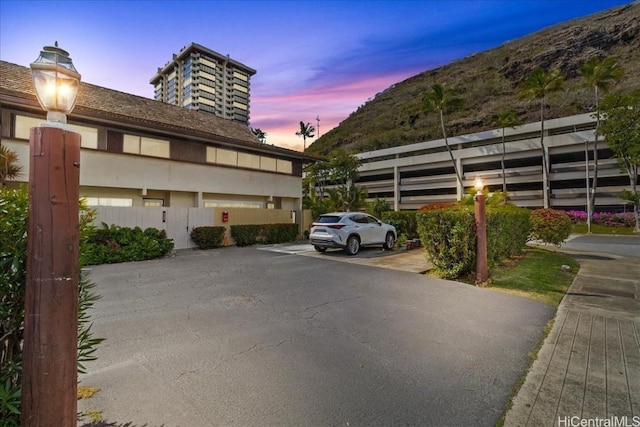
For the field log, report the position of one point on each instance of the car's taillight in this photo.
(336, 226)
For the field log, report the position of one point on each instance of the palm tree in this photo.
(538, 85)
(505, 119)
(443, 98)
(599, 75)
(9, 167)
(306, 131)
(260, 134)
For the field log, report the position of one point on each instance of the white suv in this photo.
(350, 230)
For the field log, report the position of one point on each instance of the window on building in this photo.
(246, 160)
(226, 157)
(171, 89)
(89, 136)
(131, 144)
(241, 76)
(211, 154)
(135, 144)
(186, 67)
(232, 204)
(23, 124)
(158, 90)
(154, 147)
(284, 166)
(268, 164)
(109, 201)
(153, 203)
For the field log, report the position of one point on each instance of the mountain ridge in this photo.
(488, 82)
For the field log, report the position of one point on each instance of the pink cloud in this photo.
(279, 115)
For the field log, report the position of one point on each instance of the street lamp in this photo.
(479, 185)
(49, 381)
(481, 233)
(56, 81)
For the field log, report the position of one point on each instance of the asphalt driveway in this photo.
(242, 336)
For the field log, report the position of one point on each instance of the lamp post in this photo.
(49, 381)
(481, 233)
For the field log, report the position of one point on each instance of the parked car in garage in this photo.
(350, 231)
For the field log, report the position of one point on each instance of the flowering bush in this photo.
(577, 217)
(623, 219)
(608, 219)
(550, 225)
(436, 206)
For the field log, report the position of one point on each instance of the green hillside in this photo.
(488, 82)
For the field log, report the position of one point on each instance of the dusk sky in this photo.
(313, 58)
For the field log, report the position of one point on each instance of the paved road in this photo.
(241, 336)
(628, 246)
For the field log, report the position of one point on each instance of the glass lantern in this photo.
(56, 81)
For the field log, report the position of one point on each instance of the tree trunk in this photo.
(545, 168)
(633, 173)
(594, 181)
(453, 160)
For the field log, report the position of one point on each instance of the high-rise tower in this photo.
(201, 79)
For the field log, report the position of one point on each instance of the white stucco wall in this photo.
(180, 181)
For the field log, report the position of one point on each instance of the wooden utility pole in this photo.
(49, 383)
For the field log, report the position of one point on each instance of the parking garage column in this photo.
(396, 189)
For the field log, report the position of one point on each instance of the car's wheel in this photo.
(389, 241)
(319, 248)
(353, 245)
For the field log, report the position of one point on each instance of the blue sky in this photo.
(313, 58)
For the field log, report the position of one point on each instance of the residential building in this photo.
(201, 79)
(141, 153)
(411, 176)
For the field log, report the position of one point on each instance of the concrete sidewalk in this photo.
(588, 369)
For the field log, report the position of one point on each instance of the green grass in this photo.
(536, 274)
(600, 229)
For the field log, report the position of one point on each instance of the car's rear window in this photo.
(328, 219)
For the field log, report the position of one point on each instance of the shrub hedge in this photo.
(405, 222)
(208, 237)
(245, 235)
(13, 254)
(113, 244)
(250, 234)
(449, 237)
(507, 232)
(278, 233)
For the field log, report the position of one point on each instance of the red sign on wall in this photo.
(225, 216)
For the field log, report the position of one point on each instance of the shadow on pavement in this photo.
(593, 257)
(113, 424)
